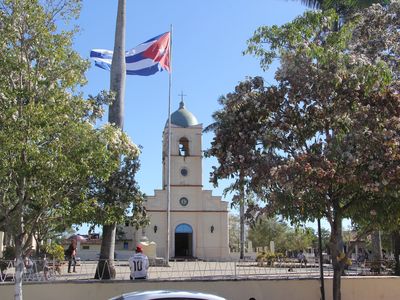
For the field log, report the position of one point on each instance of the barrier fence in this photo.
(47, 271)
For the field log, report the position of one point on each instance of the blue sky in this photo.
(208, 39)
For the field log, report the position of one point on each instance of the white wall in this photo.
(365, 288)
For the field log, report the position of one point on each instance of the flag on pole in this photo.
(145, 59)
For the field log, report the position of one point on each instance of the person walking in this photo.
(139, 264)
(71, 256)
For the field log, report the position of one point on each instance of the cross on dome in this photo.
(182, 103)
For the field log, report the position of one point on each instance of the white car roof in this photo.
(166, 294)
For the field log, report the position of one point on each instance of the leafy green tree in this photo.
(234, 232)
(300, 238)
(286, 238)
(265, 230)
(322, 142)
(325, 236)
(119, 200)
(341, 6)
(50, 150)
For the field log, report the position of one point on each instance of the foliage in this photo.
(117, 198)
(322, 131)
(265, 230)
(324, 141)
(53, 251)
(325, 236)
(51, 154)
(268, 257)
(47, 142)
(285, 238)
(234, 233)
(341, 6)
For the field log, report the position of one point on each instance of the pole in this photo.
(169, 151)
(321, 267)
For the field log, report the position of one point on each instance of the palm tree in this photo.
(105, 268)
(341, 6)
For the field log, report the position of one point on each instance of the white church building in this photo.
(198, 220)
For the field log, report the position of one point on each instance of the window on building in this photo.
(126, 245)
(184, 147)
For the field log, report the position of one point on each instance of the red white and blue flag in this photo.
(145, 59)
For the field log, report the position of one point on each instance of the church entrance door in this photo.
(183, 241)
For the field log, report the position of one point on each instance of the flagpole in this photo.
(169, 151)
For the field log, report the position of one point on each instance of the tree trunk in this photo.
(376, 251)
(105, 268)
(19, 238)
(118, 69)
(338, 256)
(321, 263)
(242, 230)
(19, 269)
(396, 243)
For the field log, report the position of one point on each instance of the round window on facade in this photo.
(184, 172)
(184, 201)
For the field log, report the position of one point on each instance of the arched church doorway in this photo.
(183, 240)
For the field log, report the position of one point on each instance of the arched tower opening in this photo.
(184, 147)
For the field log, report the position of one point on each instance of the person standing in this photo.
(71, 256)
(139, 264)
(302, 258)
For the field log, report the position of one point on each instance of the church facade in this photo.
(198, 220)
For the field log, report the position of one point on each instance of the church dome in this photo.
(182, 117)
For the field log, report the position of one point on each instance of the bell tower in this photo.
(186, 155)
(195, 225)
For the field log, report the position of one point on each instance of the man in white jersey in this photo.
(139, 264)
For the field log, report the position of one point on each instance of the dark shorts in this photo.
(138, 278)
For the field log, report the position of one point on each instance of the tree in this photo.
(286, 238)
(322, 141)
(265, 230)
(234, 233)
(342, 7)
(119, 200)
(116, 117)
(50, 149)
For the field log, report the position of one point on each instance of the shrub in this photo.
(268, 257)
(53, 251)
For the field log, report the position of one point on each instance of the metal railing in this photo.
(176, 270)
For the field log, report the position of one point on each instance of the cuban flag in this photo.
(145, 59)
